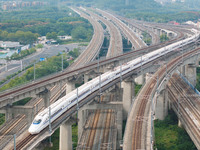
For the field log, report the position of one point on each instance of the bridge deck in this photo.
(99, 131)
(186, 103)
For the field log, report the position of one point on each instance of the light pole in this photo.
(99, 79)
(6, 67)
(77, 100)
(62, 62)
(34, 73)
(120, 75)
(50, 119)
(21, 66)
(14, 141)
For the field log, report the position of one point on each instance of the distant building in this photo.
(25, 47)
(168, 1)
(191, 23)
(9, 5)
(198, 25)
(8, 44)
(174, 23)
(65, 37)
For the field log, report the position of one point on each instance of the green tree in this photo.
(79, 33)
(52, 35)
(163, 38)
(39, 46)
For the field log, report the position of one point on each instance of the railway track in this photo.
(136, 42)
(93, 130)
(97, 133)
(95, 44)
(35, 105)
(185, 108)
(38, 104)
(141, 107)
(24, 141)
(5, 94)
(19, 123)
(115, 45)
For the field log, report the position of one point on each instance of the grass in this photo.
(2, 118)
(83, 44)
(168, 136)
(137, 88)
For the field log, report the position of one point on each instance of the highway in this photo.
(47, 51)
(185, 102)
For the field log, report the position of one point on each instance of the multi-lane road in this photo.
(47, 51)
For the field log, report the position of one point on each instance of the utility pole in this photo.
(120, 75)
(6, 67)
(21, 66)
(14, 141)
(34, 73)
(50, 119)
(62, 62)
(77, 100)
(99, 79)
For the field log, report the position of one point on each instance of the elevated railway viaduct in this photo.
(71, 78)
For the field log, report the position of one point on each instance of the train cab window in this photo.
(37, 121)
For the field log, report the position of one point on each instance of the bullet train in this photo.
(71, 99)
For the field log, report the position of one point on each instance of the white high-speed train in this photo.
(59, 107)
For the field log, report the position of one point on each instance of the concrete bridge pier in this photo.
(82, 117)
(180, 124)
(89, 75)
(128, 42)
(128, 86)
(86, 77)
(119, 126)
(46, 96)
(170, 35)
(12, 111)
(161, 108)
(70, 86)
(7, 112)
(159, 32)
(140, 80)
(66, 136)
(190, 73)
(66, 128)
(182, 70)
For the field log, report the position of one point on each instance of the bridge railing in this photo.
(186, 80)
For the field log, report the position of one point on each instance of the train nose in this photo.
(32, 130)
